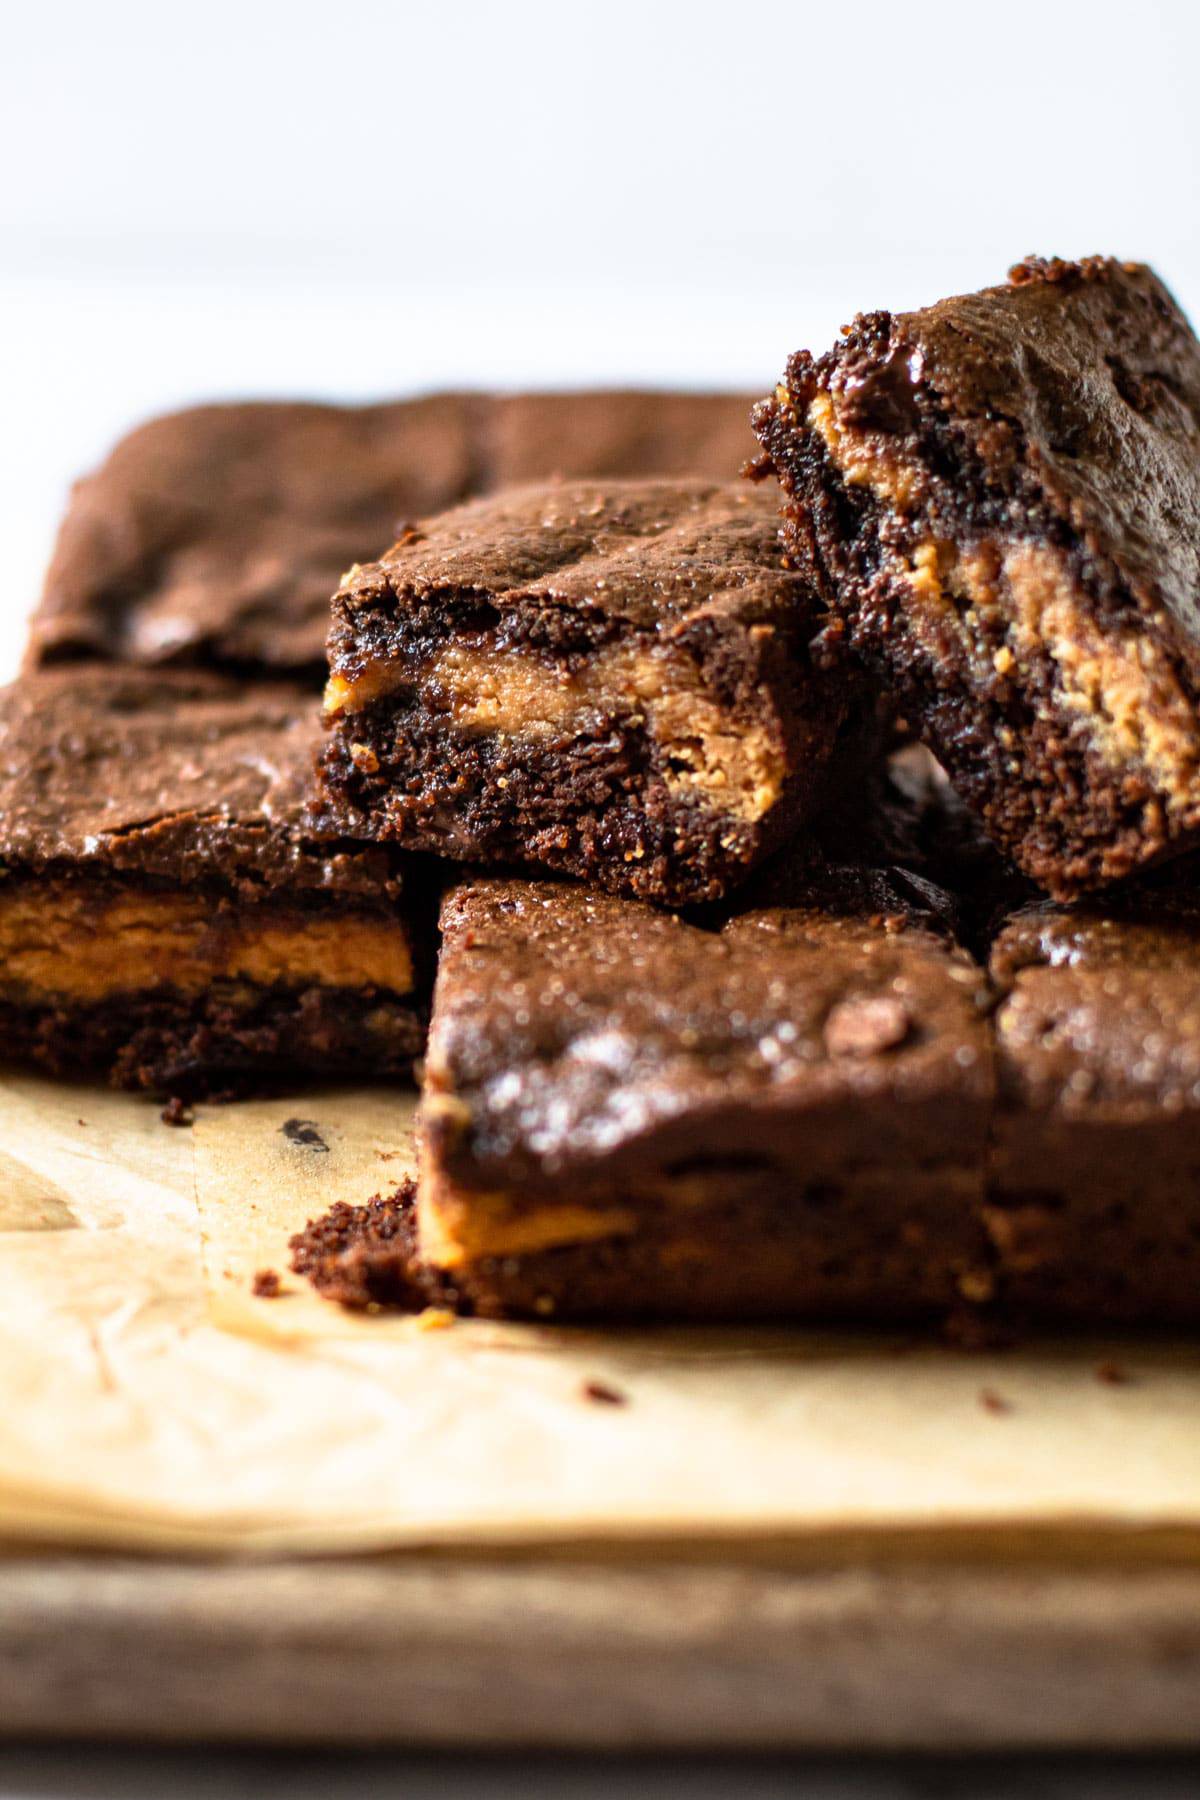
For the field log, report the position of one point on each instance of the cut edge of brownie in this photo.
(513, 722)
(1094, 1174)
(1056, 687)
(229, 1041)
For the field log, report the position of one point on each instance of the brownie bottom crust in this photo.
(229, 1040)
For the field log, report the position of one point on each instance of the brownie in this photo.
(629, 1115)
(1094, 1188)
(165, 916)
(999, 496)
(609, 680)
(614, 434)
(215, 536)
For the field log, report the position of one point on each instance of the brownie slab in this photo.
(617, 434)
(214, 537)
(608, 680)
(1094, 1188)
(165, 917)
(626, 1115)
(1000, 496)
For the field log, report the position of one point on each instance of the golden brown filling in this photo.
(862, 460)
(739, 769)
(63, 941)
(461, 1226)
(1008, 601)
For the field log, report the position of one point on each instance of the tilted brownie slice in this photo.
(1094, 1203)
(1000, 495)
(165, 918)
(626, 1115)
(610, 680)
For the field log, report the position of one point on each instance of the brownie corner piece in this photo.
(1000, 494)
(608, 680)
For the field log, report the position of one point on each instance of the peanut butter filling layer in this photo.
(1008, 601)
(862, 461)
(60, 941)
(459, 1227)
(737, 769)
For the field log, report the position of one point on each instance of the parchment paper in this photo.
(151, 1401)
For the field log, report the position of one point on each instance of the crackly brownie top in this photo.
(1102, 1007)
(571, 1029)
(617, 433)
(217, 535)
(1076, 383)
(572, 563)
(183, 776)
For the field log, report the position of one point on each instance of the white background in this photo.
(359, 198)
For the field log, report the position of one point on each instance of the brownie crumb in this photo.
(177, 1111)
(603, 1394)
(435, 1318)
(366, 1257)
(267, 1285)
(304, 1134)
(1112, 1374)
(993, 1402)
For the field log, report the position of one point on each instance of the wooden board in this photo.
(412, 1536)
(574, 1654)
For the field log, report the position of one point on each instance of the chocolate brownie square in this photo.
(627, 1114)
(610, 680)
(1000, 497)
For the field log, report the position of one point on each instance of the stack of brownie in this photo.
(620, 813)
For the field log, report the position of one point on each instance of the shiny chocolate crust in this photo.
(781, 1115)
(1000, 497)
(214, 537)
(607, 680)
(185, 777)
